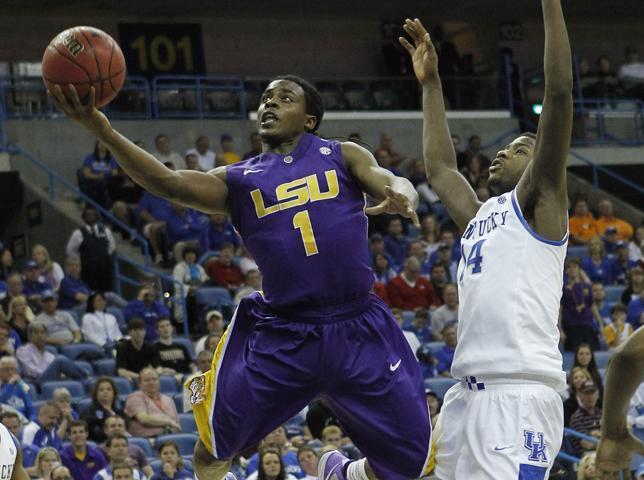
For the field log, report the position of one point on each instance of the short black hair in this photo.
(135, 323)
(531, 135)
(314, 102)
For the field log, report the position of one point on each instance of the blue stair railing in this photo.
(54, 177)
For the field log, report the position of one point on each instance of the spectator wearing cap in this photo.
(420, 325)
(215, 325)
(252, 283)
(611, 241)
(587, 417)
(445, 355)
(426, 360)
(38, 364)
(578, 311)
(596, 264)
(33, 287)
(635, 285)
(42, 431)
(204, 154)
(621, 264)
(446, 313)
(82, 460)
(134, 354)
(255, 140)
(635, 311)
(396, 244)
(409, 291)
(618, 331)
(62, 329)
(221, 231)
(377, 246)
(607, 219)
(227, 156)
(223, 272)
(582, 223)
(411, 338)
(147, 307)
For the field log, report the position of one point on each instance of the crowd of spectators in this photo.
(45, 309)
(604, 82)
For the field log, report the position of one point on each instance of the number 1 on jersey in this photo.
(302, 221)
(475, 258)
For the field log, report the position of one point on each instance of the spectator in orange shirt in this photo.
(607, 219)
(223, 272)
(583, 225)
(410, 291)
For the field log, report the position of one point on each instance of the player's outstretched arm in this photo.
(624, 374)
(18, 472)
(438, 150)
(545, 181)
(206, 192)
(396, 194)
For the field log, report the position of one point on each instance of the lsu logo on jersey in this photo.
(536, 445)
(297, 192)
(197, 387)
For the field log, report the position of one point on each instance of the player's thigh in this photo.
(512, 434)
(376, 389)
(448, 435)
(267, 371)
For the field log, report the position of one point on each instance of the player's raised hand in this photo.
(86, 115)
(423, 53)
(614, 455)
(395, 203)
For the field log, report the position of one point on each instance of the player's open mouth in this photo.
(268, 119)
(496, 165)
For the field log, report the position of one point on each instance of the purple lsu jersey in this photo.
(302, 217)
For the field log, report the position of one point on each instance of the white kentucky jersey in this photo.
(8, 453)
(510, 283)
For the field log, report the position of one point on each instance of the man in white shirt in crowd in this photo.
(204, 154)
(62, 329)
(164, 152)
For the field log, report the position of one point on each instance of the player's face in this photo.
(281, 115)
(510, 163)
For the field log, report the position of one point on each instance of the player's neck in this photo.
(283, 147)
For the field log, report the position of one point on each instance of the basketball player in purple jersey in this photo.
(315, 330)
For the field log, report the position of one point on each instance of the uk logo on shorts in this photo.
(535, 444)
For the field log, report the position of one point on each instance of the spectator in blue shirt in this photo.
(14, 391)
(382, 269)
(147, 307)
(83, 460)
(184, 225)
(621, 265)
(153, 212)
(73, 292)
(221, 231)
(597, 265)
(396, 244)
(445, 356)
(635, 312)
(93, 177)
(420, 325)
(377, 246)
(42, 432)
(32, 287)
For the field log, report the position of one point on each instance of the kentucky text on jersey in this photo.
(297, 192)
(494, 220)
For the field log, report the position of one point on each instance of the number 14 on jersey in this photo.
(474, 259)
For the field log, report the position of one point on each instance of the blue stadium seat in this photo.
(168, 384)
(613, 293)
(105, 366)
(75, 388)
(601, 359)
(85, 366)
(87, 350)
(144, 443)
(408, 316)
(185, 441)
(568, 360)
(440, 385)
(120, 318)
(157, 466)
(178, 401)
(83, 404)
(213, 297)
(33, 392)
(186, 342)
(51, 349)
(187, 422)
(38, 404)
(123, 385)
(577, 252)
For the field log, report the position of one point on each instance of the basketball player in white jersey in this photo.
(504, 420)
(10, 457)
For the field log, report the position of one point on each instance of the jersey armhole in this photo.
(519, 214)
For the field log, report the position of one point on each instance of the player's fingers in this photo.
(60, 100)
(76, 103)
(377, 210)
(408, 46)
(420, 27)
(414, 217)
(411, 31)
(91, 102)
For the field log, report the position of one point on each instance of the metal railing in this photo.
(121, 278)
(602, 108)
(54, 177)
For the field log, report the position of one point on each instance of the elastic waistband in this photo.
(497, 382)
(324, 314)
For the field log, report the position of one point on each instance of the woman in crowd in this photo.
(430, 234)
(104, 405)
(173, 468)
(586, 470)
(50, 272)
(596, 265)
(98, 167)
(578, 375)
(271, 467)
(635, 285)
(46, 460)
(381, 269)
(191, 275)
(20, 316)
(97, 325)
(584, 357)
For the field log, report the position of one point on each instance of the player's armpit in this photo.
(206, 192)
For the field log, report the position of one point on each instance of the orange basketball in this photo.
(85, 57)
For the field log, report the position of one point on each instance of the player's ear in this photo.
(310, 123)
